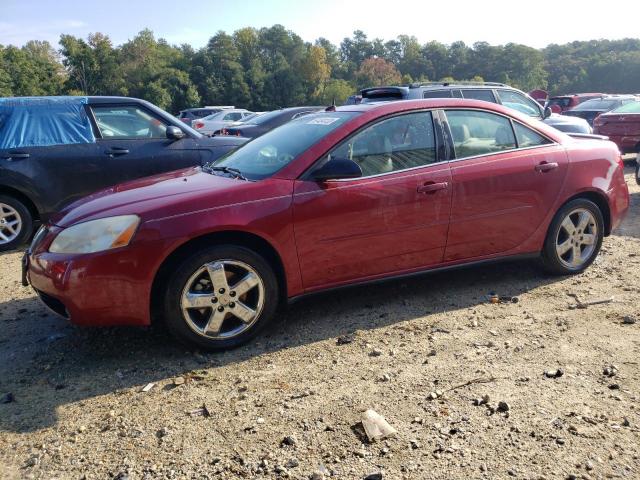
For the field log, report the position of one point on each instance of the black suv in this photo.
(54, 150)
(487, 91)
(261, 124)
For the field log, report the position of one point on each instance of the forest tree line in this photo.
(267, 68)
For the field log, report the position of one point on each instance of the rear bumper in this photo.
(618, 204)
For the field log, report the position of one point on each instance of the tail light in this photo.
(198, 125)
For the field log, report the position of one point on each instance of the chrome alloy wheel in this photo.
(222, 299)
(10, 223)
(577, 238)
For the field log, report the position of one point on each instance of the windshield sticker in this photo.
(323, 121)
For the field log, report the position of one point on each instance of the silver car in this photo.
(217, 121)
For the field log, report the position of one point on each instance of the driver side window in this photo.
(117, 122)
(398, 143)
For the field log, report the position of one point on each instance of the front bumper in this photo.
(101, 289)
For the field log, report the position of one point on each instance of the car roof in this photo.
(431, 103)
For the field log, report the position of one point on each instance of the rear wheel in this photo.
(574, 238)
(16, 223)
(220, 297)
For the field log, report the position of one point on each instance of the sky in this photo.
(535, 23)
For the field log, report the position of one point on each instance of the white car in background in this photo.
(217, 121)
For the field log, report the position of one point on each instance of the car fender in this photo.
(23, 185)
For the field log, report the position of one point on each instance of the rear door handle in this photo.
(546, 166)
(117, 151)
(16, 156)
(432, 187)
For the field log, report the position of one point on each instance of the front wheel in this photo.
(220, 297)
(574, 238)
(16, 223)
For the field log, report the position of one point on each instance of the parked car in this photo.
(560, 103)
(248, 119)
(568, 124)
(216, 121)
(622, 126)
(335, 198)
(54, 150)
(190, 114)
(268, 121)
(590, 109)
(487, 91)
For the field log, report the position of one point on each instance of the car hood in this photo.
(159, 196)
(221, 141)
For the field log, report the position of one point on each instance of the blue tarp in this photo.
(43, 121)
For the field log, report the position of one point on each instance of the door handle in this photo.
(432, 187)
(117, 151)
(16, 156)
(546, 166)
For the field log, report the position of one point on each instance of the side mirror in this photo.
(336, 169)
(547, 112)
(174, 133)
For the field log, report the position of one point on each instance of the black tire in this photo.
(23, 215)
(638, 169)
(182, 277)
(551, 260)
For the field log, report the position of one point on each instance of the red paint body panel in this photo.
(499, 200)
(347, 230)
(332, 233)
(622, 128)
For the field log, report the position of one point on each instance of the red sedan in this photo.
(622, 126)
(345, 196)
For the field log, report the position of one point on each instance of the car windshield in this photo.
(598, 104)
(214, 116)
(560, 101)
(264, 156)
(632, 107)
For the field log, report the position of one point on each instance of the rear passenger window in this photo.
(527, 137)
(398, 143)
(436, 94)
(485, 94)
(479, 133)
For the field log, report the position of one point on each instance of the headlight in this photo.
(96, 235)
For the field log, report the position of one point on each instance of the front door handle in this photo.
(546, 166)
(432, 187)
(16, 156)
(117, 151)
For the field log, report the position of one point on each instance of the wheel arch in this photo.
(234, 237)
(600, 200)
(18, 195)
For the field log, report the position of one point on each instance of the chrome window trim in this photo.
(387, 173)
(504, 151)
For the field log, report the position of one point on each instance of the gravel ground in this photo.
(421, 353)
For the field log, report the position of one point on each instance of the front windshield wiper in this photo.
(230, 170)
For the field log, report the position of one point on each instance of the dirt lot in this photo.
(289, 404)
